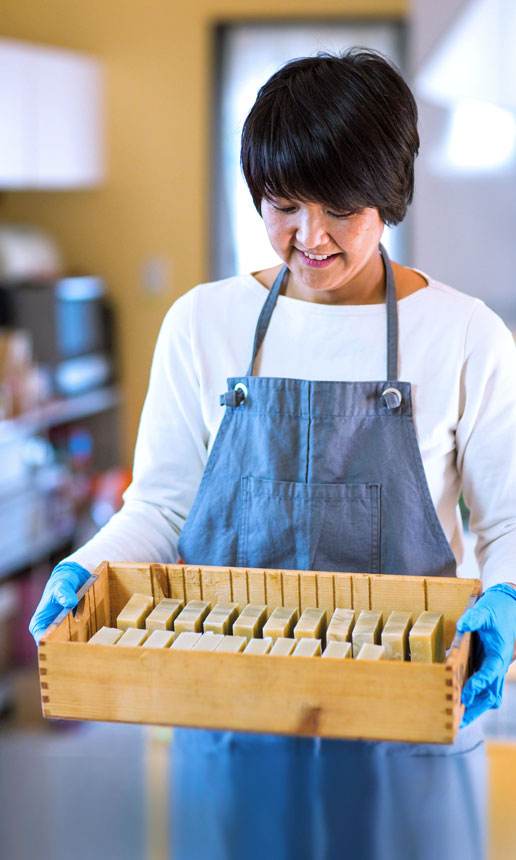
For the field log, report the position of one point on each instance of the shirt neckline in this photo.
(349, 310)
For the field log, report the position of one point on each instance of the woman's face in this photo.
(352, 271)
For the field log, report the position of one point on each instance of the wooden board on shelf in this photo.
(263, 693)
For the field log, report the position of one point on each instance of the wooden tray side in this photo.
(304, 697)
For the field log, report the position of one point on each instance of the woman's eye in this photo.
(340, 214)
(285, 208)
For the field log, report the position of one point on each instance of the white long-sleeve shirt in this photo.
(457, 353)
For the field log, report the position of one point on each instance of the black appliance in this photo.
(71, 325)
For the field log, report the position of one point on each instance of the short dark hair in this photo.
(334, 129)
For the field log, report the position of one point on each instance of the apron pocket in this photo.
(309, 526)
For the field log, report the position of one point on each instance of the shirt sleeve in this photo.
(170, 455)
(486, 443)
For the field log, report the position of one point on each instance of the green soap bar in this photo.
(232, 644)
(159, 639)
(191, 618)
(259, 646)
(208, 642)
(221, 618)
(395, 635)
(369, 651)
(250, 622)
(368, 628)
(283, 646)
(341, 626)
(105, 636)
(311, 625)
(185, 641)
(281, 622)
(132, 637)
(135, 612)
(307, 647)
(163, 615)
(426, 639)
(337, 649)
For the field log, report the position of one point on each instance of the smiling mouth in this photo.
(316, 260)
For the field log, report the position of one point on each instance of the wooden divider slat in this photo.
(256, 580)
(291, 595)
(240, 586)
(308, 590)
(448, 596)
(325, 594)
(193, 584)
(101, 597)
(343, 590)
(176, 579)
(273, 588)
(216, 585)
(83, 625)
(126, 579)
(361, 591)
(160, 584)
(387, 595)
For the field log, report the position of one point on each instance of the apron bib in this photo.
(311, 475)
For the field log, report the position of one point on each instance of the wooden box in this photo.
(258, 693)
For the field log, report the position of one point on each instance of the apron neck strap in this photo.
(391, 308)
(265, 316)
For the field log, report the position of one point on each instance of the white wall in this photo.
(463, 224)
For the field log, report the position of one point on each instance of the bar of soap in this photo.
(259, 646)
(426, 639)
(281, 622)
(221, 618)
(159, 639)
(311, 625)
(191, 618)
(185, 641)
(132, 637)
(135, 611)
(395, 635)
(283, 646)
(250, 622)
(105, 636)
(208, 642)
(337, 649)
(341, 626)
(307, 647)
(371, 652)
(163, 615)
(232, 644)
(368, 628)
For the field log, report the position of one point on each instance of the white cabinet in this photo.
(52, 117)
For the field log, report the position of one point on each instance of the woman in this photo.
(358, 475)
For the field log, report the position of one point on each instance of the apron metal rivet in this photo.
(392, 398)
(241, 387)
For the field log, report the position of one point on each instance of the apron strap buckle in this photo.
(235, 397)
(392, 398)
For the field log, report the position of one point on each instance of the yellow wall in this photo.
(158, 60)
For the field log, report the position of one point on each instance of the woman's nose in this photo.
(311, 231)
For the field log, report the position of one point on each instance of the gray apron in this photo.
(321, 476)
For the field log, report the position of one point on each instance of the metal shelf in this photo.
(33, 554)
(62, 412)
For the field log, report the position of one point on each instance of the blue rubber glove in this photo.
(59, 594)
(493, 617)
